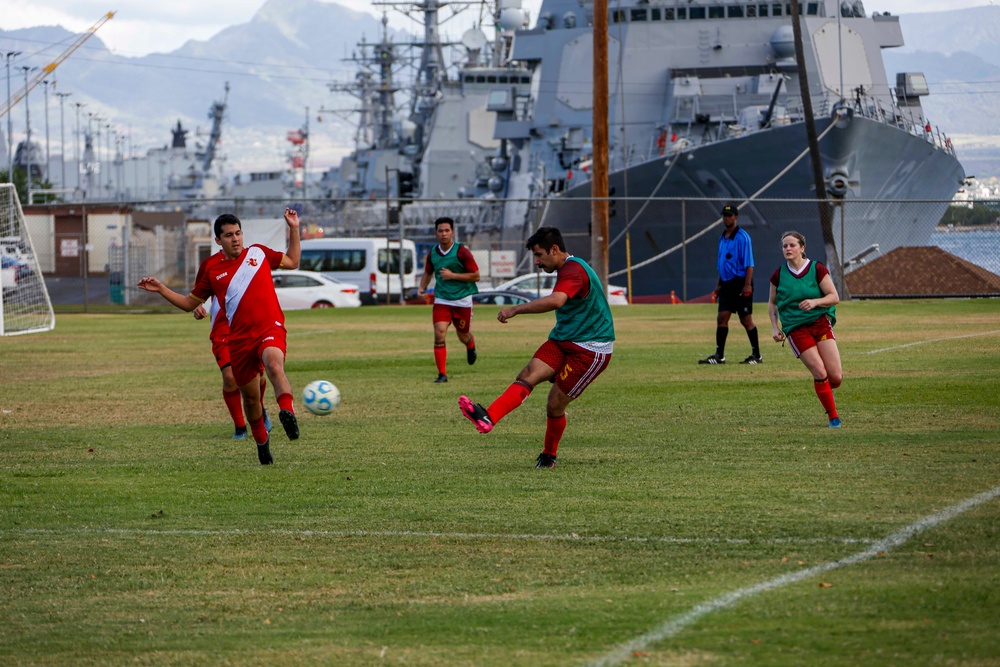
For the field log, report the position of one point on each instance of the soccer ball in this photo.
(321, 397)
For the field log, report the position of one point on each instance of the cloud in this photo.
(140, 28)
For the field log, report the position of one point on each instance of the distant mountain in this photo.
(957, 51)
(281, 61)
(277, 64)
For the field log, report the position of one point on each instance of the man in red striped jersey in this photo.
(240, 277)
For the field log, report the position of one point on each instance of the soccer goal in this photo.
(25, 306)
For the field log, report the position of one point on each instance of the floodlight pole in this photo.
(76, 143)
(62, 138)
(10, 139)
(27, 133)
(48, 159)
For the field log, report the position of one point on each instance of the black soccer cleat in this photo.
(753, 359)
(290, 424)
(545, 461)
(441, 378)
(470, 355)
(714, 360)
(264, 453)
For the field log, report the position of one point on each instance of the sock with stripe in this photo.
(825, 394)
(508, 401)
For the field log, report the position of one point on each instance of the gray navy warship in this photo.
(704, 104)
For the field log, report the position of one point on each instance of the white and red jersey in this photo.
(245, 289)
(220, 324)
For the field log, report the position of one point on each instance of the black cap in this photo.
(730, 209)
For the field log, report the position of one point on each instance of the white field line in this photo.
(674, 625)
(932, 340)
(569, 537)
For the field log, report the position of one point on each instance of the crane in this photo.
(51, 67)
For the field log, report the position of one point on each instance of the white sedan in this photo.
(541, 284)
(299, 290)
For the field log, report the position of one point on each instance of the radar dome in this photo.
(473, 39)
(783, 42)
(511, 18)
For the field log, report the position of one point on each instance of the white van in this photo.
(369, 262)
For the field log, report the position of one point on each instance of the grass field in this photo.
(698, 515)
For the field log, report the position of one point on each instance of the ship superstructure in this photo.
(704, 101)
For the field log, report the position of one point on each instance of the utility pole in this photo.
(10, 144)
(599, 182)
(62, 138)
(825, 210)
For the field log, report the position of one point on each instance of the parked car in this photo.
(502, 297)
(299, 290)
(541, 284)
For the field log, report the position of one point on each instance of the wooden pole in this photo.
(825, 209)
(599, 184)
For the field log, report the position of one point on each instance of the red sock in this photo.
(471, 344)
(509, 400)
(263, 388)
(235, 404)
(826, 397)
(258, 430)
(441, 358)
(285, 403)
(554, 427)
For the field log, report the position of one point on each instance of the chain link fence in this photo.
(95, 254)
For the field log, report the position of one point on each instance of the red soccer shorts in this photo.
(220, 348)
(575, 367)
(460, 317)
(246, 354)
(806, 336)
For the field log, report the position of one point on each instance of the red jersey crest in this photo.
(252, 261)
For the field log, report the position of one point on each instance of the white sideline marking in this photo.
(933, 340)
(431, 535)
(678, 623)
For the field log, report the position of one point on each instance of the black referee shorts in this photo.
(731, 297)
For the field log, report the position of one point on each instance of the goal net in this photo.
(25, 306)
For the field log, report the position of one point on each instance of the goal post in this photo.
(25, 306)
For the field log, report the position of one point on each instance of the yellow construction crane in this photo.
(51, 67)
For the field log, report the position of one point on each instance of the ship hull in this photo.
(894, 176)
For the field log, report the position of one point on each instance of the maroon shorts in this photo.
(220, 348)
(460, 317)
(575, 366)
(806, 336)
(246, 355)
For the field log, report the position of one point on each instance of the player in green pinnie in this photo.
(577, 351)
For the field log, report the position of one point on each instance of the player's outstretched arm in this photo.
(553, 301)
(294, 252)
(186, 303)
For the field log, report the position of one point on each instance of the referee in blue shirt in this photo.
(735, 288)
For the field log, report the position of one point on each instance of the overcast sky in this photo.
(141, 26)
